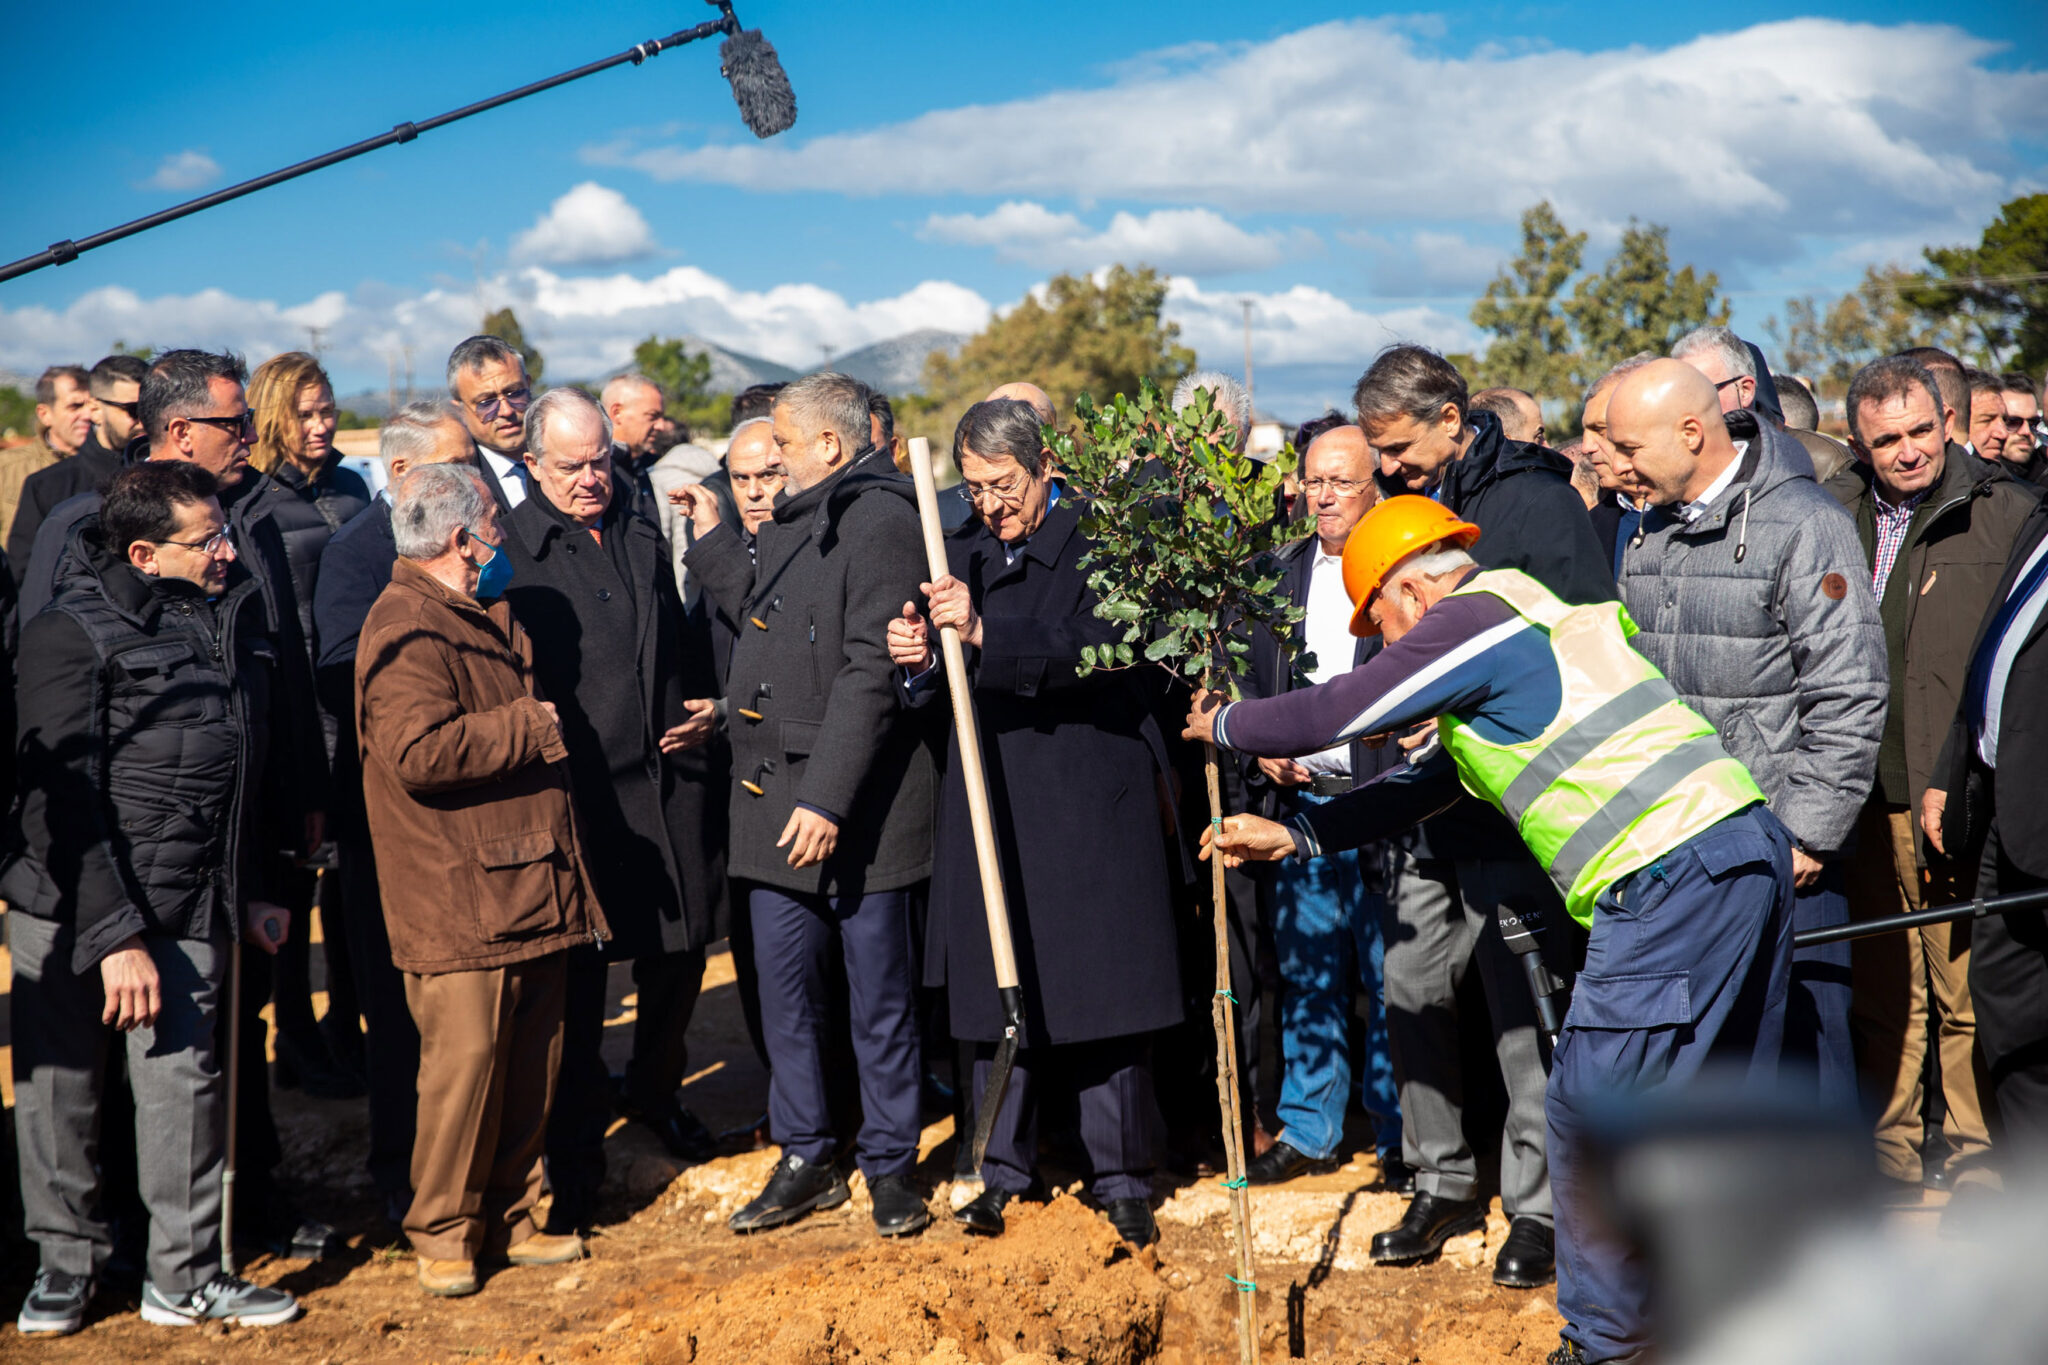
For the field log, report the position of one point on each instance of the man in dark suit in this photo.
(832, 790)
(633, 678)
(488, 384)
(1326, 914)
(1988, 785)
(354, 571)
(1073, 763)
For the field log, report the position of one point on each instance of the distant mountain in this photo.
(897, 365)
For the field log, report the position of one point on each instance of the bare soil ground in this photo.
(667, 1283)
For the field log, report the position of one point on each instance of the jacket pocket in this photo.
(799, 737)
(517, 881)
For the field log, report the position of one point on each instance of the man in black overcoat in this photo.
(1074, 768)
(832, 790)
(632, 675)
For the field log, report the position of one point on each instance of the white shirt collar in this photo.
(1691, 511)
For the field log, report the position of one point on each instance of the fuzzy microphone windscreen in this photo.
(759, 84)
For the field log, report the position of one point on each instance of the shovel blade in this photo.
(999, 1070)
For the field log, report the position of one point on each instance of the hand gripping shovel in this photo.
(976, 782)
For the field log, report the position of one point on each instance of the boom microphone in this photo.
(749, 62)
(759, 85)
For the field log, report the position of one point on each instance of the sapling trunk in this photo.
(1223, 1011)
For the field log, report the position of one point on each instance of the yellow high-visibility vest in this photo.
(1624, 773)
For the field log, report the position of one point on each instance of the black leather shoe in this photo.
(899, 1205)
(1423, 1230)
(1132, 1218)
(1396, 1176)
(794, 1189)
(1529, 1256)
(681, 1133)
(984, 1212)
(1282, 1162)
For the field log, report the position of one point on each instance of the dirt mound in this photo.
(1059, 1285)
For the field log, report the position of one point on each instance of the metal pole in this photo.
(60, 253)
(1979, 908)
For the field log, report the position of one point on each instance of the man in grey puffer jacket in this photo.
(1747, 581)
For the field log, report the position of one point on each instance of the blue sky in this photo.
(1357, 174)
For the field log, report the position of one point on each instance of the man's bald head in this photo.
(1521, 416)
(1665, 432)
(1027, 393)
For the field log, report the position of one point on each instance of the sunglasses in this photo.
(134, 410)
(243, 423)
(486, 408)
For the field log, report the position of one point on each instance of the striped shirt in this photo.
(1892, 522)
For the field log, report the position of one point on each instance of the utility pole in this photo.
(313, 340)
(1251, 394)
(390, 386)
(408, 372)
(824, 356)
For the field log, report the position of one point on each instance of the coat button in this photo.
(604, 594)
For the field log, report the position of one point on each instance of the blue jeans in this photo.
(1326, 929)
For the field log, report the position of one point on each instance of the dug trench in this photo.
(666, 1283)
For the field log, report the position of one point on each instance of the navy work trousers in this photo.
(793, 936)
(1689, 964)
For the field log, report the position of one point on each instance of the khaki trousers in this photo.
(1892, 974)
(490, 1045)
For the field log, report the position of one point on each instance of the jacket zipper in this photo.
(223, 651)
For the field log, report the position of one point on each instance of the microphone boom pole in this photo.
(750, 64)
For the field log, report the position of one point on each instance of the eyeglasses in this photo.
(211, 546)
(1343, 488)
(1011, 496)
(486, 407)
(1726, 382)
(241, 424)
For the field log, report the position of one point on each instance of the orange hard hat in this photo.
(1388, 534)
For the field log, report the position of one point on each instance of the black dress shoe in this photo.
(1283, 1162)
(1529, 1256)
(794, 1189)
(1423, 1230)
(984, 1212)
(1132, 1218)
(681, 1133)
(899, 1205)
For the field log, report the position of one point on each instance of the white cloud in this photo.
(590, 225)
(1751, 140)
(190, 169)
(1301, 326)
(1183, 241)
(584, 326)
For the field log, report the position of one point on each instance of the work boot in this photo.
(1283, 1162)
(1570, 1353)
(984, 1212)
(1529, 1256)
(56, 1302)
(795, 1188)
(899, 1205)
(221, 1299)
(1423, 1230)
(447, 1279)
(547, 1248)
(1132, 1218)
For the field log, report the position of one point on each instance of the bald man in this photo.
(1521, 416)
(1326, 915)
(1027, 393)
(1753, 594)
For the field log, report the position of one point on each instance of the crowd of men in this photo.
(569, 691)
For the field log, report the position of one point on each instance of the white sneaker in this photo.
(221, 1299)
(55, 1304)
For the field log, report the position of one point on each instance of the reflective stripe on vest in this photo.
(1624, 772)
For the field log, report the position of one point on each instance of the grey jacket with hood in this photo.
(1760, 613)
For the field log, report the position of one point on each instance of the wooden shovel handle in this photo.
(973, 777)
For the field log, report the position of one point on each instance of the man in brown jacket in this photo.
(1938, 527)
(481, 870)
